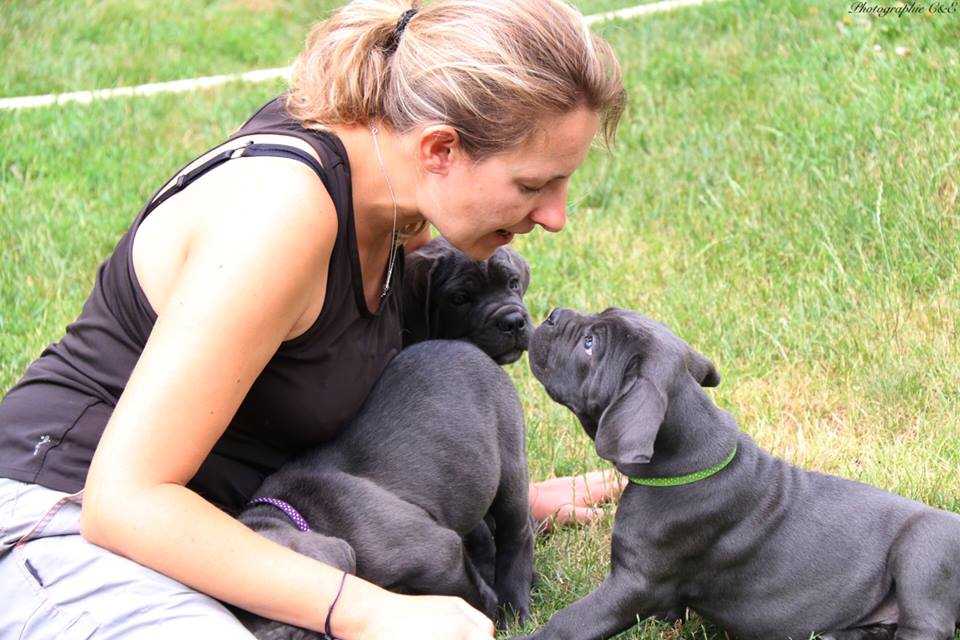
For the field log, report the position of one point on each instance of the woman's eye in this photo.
(514, 283)
(530, 190)
(460, 298)
(588, 344)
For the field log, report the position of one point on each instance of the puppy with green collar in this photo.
(712, 522)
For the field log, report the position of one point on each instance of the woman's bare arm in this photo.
(574, 499)
(250, 272)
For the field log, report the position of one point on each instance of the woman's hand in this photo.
(572, 499)
(417, 617)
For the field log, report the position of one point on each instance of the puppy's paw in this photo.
(671, 616)
(337, 553)
(489, 603)
(511, 613)
(332, 551)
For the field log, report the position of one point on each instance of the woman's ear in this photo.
(438, 147)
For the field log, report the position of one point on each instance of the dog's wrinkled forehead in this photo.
(505, 260)
(652, 339)
(643, 332)
(502, 266)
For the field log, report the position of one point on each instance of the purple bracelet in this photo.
(293, 514)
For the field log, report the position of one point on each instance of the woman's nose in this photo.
(552, 215)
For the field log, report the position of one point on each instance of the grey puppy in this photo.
(753, 543)
(426, 490)
(448, 295)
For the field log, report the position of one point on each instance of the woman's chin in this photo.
(491, 242)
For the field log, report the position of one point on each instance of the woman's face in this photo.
(479, 206)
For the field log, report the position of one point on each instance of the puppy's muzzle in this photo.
(513, 322)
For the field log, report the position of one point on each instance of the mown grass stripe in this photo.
(152, 88)
(643, 10)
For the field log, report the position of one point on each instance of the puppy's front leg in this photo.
(617, 604)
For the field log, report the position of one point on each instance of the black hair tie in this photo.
(394, 41)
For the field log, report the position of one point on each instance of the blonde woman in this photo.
(249, 309)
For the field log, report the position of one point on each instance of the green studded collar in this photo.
(676, 481)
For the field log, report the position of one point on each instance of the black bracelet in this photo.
(326, 626)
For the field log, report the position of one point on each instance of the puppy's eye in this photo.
(514, 284)
(460, 297)
(588, 344)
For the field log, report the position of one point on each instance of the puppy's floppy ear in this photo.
(419, 271)
(521, 265)
(698, 365)
(629, 425)
(701, 368)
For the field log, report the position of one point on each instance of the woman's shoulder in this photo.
(263, 190)
(272, 211)
(262, 198)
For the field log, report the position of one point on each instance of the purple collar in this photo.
(292, 513)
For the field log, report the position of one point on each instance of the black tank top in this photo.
(52, 419)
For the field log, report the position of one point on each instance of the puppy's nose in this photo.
(513, 322)
(552, 318)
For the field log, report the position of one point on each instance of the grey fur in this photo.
(425, 492)
(763, 548)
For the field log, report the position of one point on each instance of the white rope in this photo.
(264, 75)
(644, 10)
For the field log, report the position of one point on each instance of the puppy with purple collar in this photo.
(426, 491)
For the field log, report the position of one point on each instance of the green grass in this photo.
(52, 46)
(783, 195)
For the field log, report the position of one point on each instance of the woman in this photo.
(193, 369)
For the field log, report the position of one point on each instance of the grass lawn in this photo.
(52, 46)
(785, 194)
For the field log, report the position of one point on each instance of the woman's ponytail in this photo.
(343, 72)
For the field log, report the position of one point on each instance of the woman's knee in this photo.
(55, 584)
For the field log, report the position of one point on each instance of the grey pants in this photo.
(56, 585)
